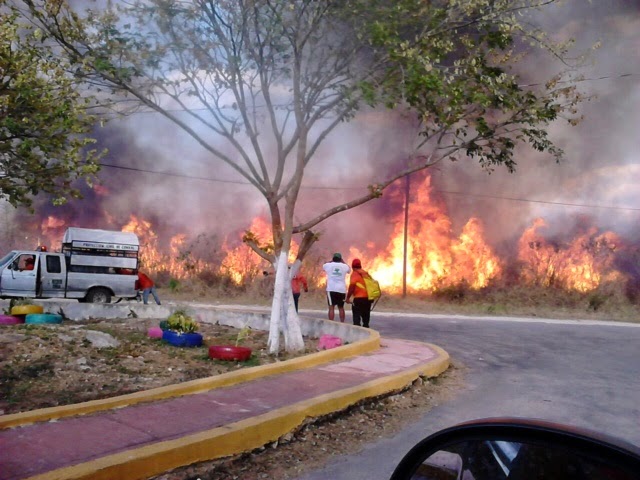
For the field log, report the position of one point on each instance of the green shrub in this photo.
(179, 321)
(174, 285)
(14, 302)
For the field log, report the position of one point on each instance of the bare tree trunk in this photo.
(276, 305)
(293, 340)
(284, 317)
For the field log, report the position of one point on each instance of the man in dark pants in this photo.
(336, 271)
(361, 306)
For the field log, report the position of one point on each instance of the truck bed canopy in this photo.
(76, 237)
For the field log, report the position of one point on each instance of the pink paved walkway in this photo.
(34, 449)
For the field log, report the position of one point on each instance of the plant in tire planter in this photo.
(232, 352)
(181, 330)
(23, 306)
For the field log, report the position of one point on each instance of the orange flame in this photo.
(435, 258)
(53, 228)
(154, 260)
(242, 263)
(582, 264)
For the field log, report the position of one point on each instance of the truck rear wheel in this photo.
(98, 295)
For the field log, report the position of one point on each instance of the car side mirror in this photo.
(517, 449)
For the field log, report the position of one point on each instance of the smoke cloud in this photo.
(602, 167)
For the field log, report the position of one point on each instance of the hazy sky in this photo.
(602, 166)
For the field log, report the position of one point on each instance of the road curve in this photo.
(577, 372)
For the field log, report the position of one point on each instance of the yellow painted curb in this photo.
(239, 437)
(26, 309)
(195, 386)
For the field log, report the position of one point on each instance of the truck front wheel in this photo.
(98, 295)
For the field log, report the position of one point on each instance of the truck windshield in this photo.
(7, 258)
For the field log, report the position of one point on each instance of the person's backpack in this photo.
(372, 286)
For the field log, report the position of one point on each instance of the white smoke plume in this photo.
(602, 166)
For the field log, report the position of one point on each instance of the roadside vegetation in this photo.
(609, 302)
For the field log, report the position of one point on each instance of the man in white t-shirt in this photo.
(336, 271)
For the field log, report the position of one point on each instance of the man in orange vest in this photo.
(361, 306)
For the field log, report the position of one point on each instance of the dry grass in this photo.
(607, 303)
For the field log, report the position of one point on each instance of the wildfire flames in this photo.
(436, 257)
(582, 264)
(242, 264)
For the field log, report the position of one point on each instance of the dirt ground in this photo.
(49, 365)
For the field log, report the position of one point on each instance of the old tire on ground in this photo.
(230, 353)
(98, 295)
(11, 320)
(43, 318)
(182, 339)
(26, 309)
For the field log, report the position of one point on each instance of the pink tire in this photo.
(11, 320)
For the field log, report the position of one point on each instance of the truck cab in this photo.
(19, 273)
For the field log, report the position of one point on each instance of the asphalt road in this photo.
(574, 372)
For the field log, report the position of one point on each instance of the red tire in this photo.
(230, 353)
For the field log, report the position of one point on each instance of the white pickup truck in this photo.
(94, 266)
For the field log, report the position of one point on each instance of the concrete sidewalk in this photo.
(145, 439)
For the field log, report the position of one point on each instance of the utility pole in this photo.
(406, 235)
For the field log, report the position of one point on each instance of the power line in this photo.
(450, 192)
(546, 202)
(172, 174)
(209, 179)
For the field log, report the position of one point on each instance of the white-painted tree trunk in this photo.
(284, 318)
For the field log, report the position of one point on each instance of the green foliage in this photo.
(243, 334)
(174, 285)
(253, 361)
(181, 322)
(43, 120)
(451, 63)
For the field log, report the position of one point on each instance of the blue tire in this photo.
(182, 339)
(43, 318)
